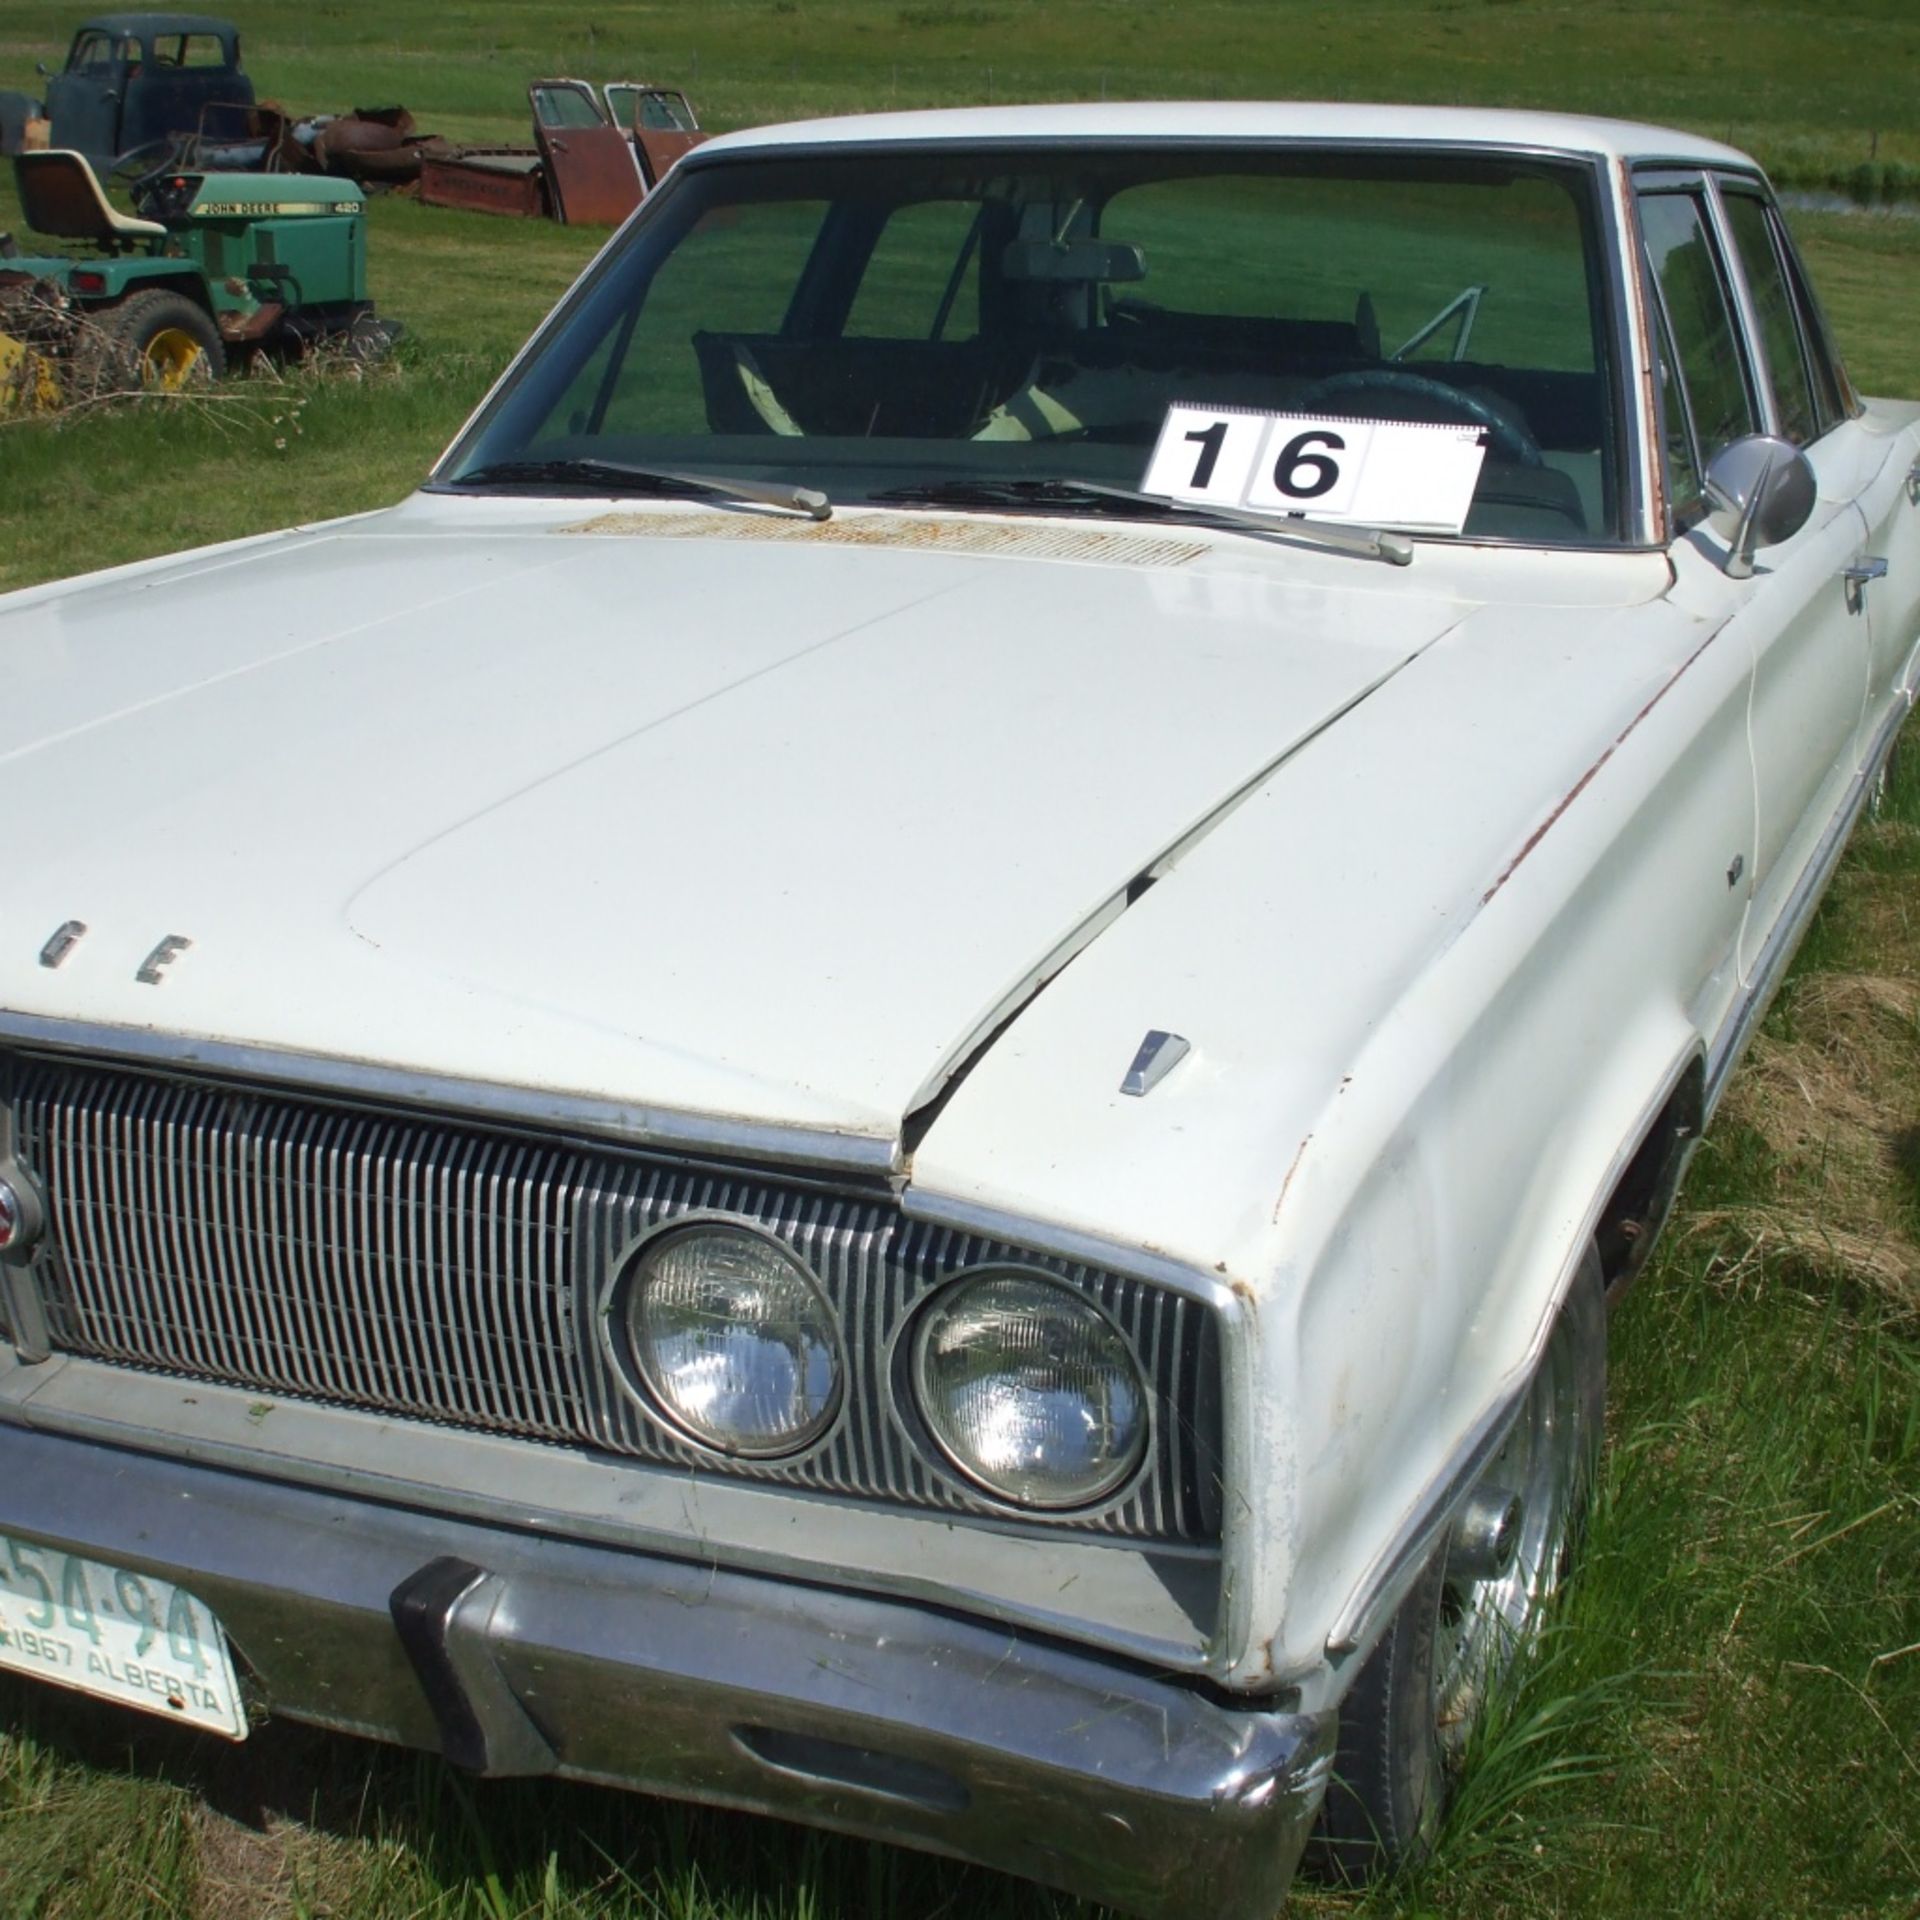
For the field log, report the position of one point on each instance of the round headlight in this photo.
(1030, 1390)
(733, 1340)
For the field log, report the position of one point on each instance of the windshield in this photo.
(990, 324)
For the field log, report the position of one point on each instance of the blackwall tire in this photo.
(1406, 1722)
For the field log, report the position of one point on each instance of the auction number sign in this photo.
(1377, 473)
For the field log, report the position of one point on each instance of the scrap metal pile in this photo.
(154, 92)
(597, 153)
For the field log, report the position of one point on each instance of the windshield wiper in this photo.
(617, 475)
(1367, 543)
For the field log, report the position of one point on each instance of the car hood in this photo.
(765, 832)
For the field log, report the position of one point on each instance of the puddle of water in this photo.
(1828, 200)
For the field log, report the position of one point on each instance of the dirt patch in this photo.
(277, 1871)
(1833, 1088)
(240, 1874)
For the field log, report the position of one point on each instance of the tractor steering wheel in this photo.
(1507, 432)
(139, 163)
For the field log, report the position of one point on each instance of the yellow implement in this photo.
(28, 383)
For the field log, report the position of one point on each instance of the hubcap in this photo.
(1508, 1550)
(173, 359)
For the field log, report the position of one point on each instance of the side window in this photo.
(1773, 307)
(562, 106)
(665, 113)
(91, 52)
(1833, 394)
(1699, 311)
(1684, 480)
(922, 280)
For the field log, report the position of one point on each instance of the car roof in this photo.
(1252, 121)
(149, 23)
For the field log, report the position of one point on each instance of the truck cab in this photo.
(134, 80)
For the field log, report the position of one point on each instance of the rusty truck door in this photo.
(592, 174)
(660, 121)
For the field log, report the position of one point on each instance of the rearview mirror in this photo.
(1760, 491)
(1082, 262)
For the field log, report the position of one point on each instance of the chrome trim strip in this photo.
(1752, 336)
(1636, 519)
(762, 1142)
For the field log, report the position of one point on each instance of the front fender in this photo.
(1431, 1018)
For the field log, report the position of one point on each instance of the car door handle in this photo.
(1856, 576)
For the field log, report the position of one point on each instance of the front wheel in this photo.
(1475, 1609)
(156, 341)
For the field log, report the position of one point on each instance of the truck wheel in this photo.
(157, 342)
(1473, 1612)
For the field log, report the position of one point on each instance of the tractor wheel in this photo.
(155, 342)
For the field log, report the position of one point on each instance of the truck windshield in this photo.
(946, 322)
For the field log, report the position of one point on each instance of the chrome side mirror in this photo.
(1760, 491)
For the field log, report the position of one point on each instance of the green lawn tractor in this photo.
(217, 267)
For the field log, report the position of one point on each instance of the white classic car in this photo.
(893, 1070)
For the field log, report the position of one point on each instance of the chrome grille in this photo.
(446, 1272)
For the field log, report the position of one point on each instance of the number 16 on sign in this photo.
(1379, 471)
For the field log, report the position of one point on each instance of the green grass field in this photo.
(1726, 1718)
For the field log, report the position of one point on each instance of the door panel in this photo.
(660, 120)
(592, 174)
(83, 102)
(1892, 518)
(1809, 683)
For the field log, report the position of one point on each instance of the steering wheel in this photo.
(1508, 433)
(141, 169)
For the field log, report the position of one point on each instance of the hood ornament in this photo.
(1159, 1054)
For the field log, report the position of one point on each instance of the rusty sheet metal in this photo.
(242, 329)
(372, 144)
(660, 120)
(1005, 539)
(658, 151)
(506, 180)
(593, 173)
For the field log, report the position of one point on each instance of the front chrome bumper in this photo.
(518, 1653)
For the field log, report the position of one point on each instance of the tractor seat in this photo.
(61, 195)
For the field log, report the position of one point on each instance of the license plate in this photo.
(123, 1636)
